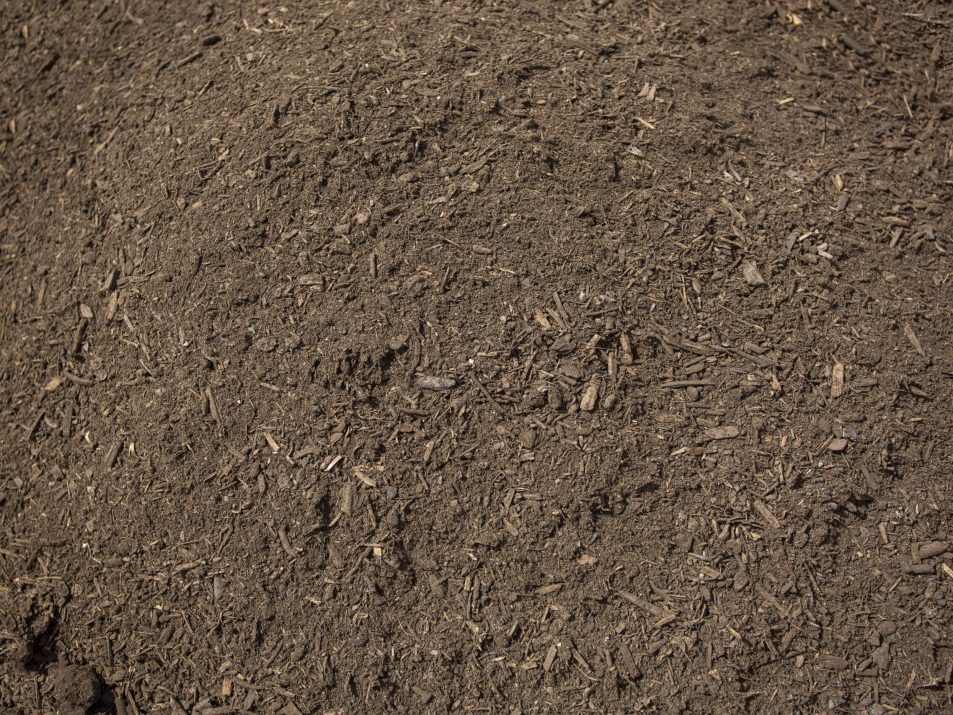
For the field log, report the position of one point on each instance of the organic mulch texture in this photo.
(476, 356)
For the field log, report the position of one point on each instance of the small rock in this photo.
(837, 445)
(437, 384)
(751, 274)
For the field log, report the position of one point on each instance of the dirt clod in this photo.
(77, 688)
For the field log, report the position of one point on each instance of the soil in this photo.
(474, 356)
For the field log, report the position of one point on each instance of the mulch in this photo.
(470, 356)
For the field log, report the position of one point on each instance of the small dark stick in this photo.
(496, 405)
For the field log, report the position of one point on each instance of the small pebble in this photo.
(837, 445)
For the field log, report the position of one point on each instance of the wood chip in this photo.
(629, 665)
(213, 404)
(112, 306)
(627, 357)
(837, 380)
(346, 499)
(359, 473)
(590, 396)
(35, 425)
(111, 279)
(725, 432)
(271, 442)
(493, 403)
(436, 384)
(53, 384)
(678, 384)
(475, 166)
(311, 279)
(550, 658)
(542, 320)
(647, 606)
(112, 455)
(832, 662)
(914, 340)
(286, 543)
(933, 548)
(766, 514)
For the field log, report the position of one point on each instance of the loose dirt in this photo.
(464, 356)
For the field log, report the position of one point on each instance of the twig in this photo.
(496, 405)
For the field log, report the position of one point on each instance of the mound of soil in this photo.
(471, 356)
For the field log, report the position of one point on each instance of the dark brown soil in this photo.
(465, 356)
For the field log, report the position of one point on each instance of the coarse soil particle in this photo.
(476, 356)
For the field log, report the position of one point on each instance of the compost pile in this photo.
(476, 356)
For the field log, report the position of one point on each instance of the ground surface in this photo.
(476, 357)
